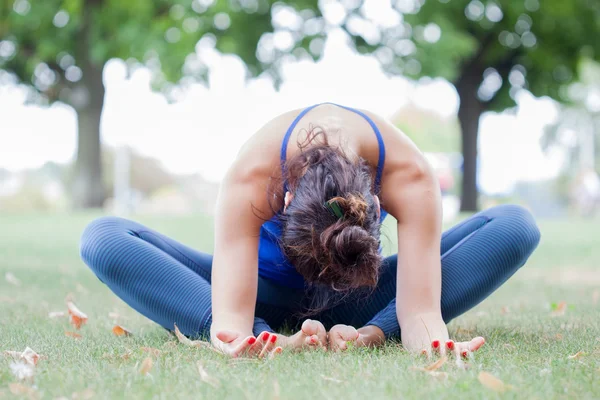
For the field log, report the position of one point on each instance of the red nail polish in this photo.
(465, 353)
(251, 340)
(450, 345)
(424, 352)
(313, 340)
(273, 338)
(435, 344)
(265, 336)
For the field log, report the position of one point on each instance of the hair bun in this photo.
(352, 253)
(354, 207)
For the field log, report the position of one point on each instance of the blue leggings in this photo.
(170, 283)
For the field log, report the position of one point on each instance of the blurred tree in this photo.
(430, 131)
(488, 49)
(576, 131)
(58, 49)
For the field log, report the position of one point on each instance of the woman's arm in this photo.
(412, 195)
(241, 210)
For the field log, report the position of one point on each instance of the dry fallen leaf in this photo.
(576, 356)
(560, 309)
(18, 389)
(146, 366)
(27, 356)
(151, 350)
(13, 280)
(78, 318)
(124, 356)
(114, 315)
(83, 395)
(74, 335)
(193, 343)
(214, 382)
(437, 365)
(491, 382)
(57, 314)
(118, 330)
(30, 356)
(327, 378)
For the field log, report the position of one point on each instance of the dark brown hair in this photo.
(336, 253)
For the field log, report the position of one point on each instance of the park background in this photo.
(136, 108)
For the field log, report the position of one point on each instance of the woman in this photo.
(297, 229)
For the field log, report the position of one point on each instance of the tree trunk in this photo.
(469, 112)
(88, 187)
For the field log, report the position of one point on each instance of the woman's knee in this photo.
(518, 228)
(99, 244)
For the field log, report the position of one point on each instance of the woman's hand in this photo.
(312, 336)
(236, 344)
(340, 336)
(427, 334)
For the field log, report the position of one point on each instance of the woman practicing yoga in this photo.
(297, 235)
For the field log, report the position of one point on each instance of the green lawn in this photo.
(526, 346)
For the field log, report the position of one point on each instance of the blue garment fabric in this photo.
(170, 283)
(273, 265)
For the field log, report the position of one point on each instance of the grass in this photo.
(526, 346)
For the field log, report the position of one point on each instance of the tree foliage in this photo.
(45, 43)
(530, 44)
(58, 48)
(488, 49)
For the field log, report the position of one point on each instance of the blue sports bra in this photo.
(272, 264)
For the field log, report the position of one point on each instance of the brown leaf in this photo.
(151, 350)
(57, 314)
(560, 309)
(192, 343)
(437, 365)
(576, 356)
(214, 382)
(78, 318)
(558, 336)
(328, 378)
(27, 356)
(13, 280)
(118, 330)
(18, 389)
(30, 356)
(491, 382)
(83, 395)
(146, 366)
(74, 335)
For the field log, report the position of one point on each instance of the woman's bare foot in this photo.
(312, 336)
(340, 336)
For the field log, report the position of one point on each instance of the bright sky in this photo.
(204, 130)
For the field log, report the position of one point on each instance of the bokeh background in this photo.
(140, 106)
